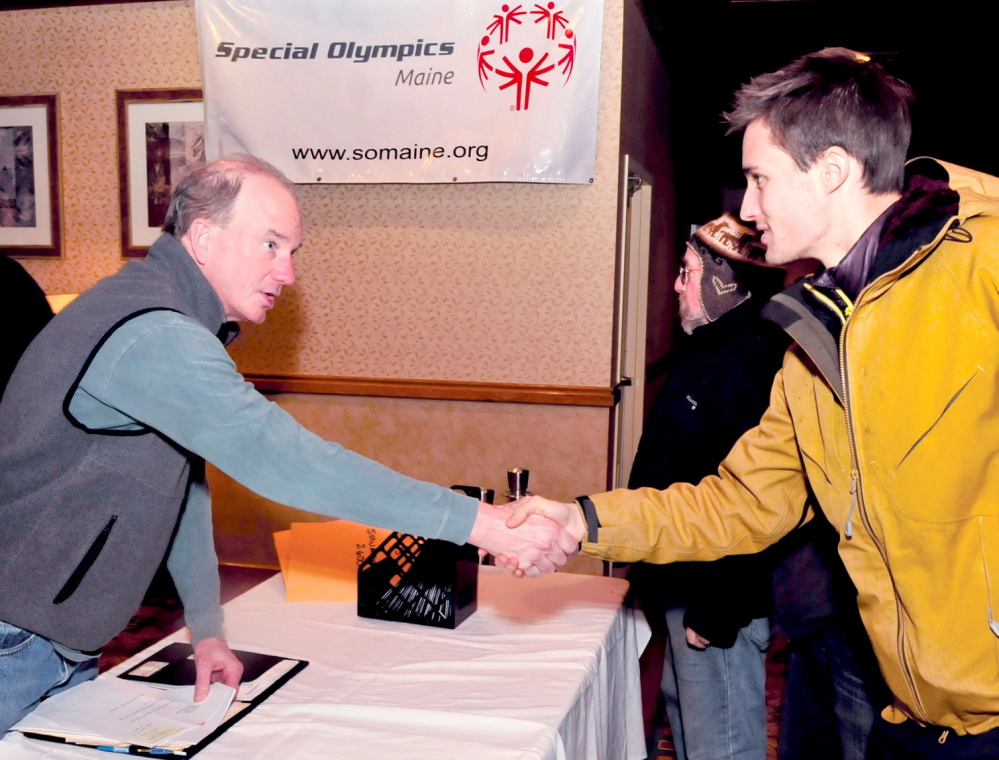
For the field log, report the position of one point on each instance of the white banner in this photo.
(404, 90)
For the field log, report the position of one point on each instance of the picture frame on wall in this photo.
(30, 220)
(161, 135)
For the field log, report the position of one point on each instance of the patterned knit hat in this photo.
(733, 265)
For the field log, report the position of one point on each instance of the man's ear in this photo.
(835, 167)
(200, 237)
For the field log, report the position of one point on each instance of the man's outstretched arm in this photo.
(167, 372)
(758, 496)
(193, 566)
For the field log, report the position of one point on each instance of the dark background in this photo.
(945, 51)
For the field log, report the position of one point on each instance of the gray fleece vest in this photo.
(86, 516)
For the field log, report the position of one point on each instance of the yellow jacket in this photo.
(907, 470)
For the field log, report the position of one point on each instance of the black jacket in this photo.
(23, 312)
(718, 388)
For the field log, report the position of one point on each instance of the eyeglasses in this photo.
(685, 273)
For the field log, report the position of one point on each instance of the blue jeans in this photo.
(715, 698)
(30, 668)
(832, 694)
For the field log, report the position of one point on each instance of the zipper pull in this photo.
(848, 530)
(993, 623)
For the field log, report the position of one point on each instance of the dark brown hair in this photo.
(833, 97)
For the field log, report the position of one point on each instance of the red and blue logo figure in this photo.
(523, 49)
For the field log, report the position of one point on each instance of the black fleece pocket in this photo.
(85, 564)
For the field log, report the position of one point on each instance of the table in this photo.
(546, 668)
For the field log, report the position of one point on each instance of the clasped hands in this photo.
(530, 536)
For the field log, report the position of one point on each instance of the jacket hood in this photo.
(978, 192)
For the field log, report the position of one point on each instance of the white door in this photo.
(631, 314)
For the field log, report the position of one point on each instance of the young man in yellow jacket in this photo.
(887, 406)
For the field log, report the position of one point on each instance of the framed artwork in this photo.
(161, 136)
(14, 5)
(30, 223)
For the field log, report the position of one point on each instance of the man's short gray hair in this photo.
(833, 97)
(210, 191)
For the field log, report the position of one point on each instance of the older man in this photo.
(886, 408)
(109, 417)
(717, 388)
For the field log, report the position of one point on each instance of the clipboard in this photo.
(173, 665)
(171, 660)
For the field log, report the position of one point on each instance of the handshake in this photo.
(530, 536)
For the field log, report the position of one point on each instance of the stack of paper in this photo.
(320, 560)
(111, 712)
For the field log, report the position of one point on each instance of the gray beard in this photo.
(689, 322)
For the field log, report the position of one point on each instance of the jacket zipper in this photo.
(856, 486)
(857, 498)
(842, 312)
(848, 530)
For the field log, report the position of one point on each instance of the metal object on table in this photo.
(517, 482)
(477, 492)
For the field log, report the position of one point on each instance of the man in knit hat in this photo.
(718, 387)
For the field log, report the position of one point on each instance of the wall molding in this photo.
(441, 390)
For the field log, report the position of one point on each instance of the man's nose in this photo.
(284, 271)
(750, 206)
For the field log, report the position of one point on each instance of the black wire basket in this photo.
(425, 581)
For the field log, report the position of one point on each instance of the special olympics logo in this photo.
(526, 52)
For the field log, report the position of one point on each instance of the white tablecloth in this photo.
(546, 668)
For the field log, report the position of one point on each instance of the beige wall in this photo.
(506, 283)
(83, 54)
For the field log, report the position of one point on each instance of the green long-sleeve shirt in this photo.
(165, 371)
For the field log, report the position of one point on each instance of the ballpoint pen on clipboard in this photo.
(125, 749)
